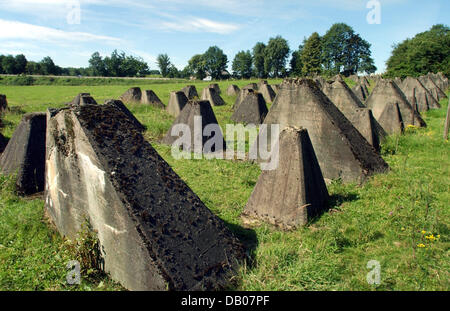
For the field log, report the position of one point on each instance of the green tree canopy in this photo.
(163, 62)
(311, 55)
(428, 51)
(275, 56)
(242, 65)
(215, 62)
(197, 66)
(97, 65)
(258, 59)
(344, 51)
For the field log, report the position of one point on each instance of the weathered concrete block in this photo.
(213, 97)
(353, 109)
(133, 94)
(252, 110)
(187, 117)
(190, 91)
(360, 92)
(341, 149)
(216, 87)
(25, 154)
(154, 232)
(121, 106)
(416, 92)
(386, 92)
(435, 90)
(82, 99)
(150, 98)
(233, 90)
(266, 90)
(252, 86)
(241, 96)
(177, 101)
(295, 191)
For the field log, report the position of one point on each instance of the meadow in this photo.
(400, 219)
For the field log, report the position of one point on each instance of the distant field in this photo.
(382, 220)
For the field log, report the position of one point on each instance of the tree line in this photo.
(339, 51)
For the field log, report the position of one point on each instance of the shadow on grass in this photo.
(338, 198)
(248, 238)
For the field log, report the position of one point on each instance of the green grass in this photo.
(381, 220)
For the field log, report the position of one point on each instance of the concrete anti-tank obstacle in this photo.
(252, 86)
(132, 95)
(360, 92)
(214, 98)
(25, 154)
(154, 231)
(447, 122)
(241, 96)
(190, 91)
(295, 191)
(233, 90)
(342, 151)
(386, 93)
(216, 87)
(82, 99)
(150, 98)
(121, 106)
(187, 117)
(252, 110)
(353, 109)
(435, 90)
(177, 101)
(266, 90)
(424, 99)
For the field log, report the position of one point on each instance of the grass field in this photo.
(389, 219)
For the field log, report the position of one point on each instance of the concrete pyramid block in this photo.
(252, 86)
(295, 191)
(266, 90)
(3, 104)
(437, 93)
(190, 91)
(387, 92)
(361, 92)
(133, 94)
(240, 98)
(341, 149)
(320, 81)
(416, 93)
(252, 110)
(177, 101)
(353, 109)
(120, 105)
(443, 80)
(214, 98)
(187, 117)
(275, 88)
(82, 99)
(25, 154)
(233, 90)
(150, 98)
(216, 87)
(154, 231)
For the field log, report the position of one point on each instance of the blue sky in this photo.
(38, 28)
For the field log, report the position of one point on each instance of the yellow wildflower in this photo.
(421, 245)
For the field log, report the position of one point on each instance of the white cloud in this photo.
(18, 30)
(196, 24)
